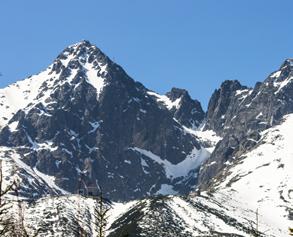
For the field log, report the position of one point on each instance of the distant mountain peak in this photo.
(83, 44)
(281, 80)
(288, 62)
(83, 52)
(176, 93)
(231, 85)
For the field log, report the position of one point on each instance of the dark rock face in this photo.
(243, 119)
(189, 113)
(224, 104)
(84, 136)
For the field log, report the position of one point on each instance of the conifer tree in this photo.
(102, 207)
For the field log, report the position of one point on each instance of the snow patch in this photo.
(95, 126)
(282, 84)
(208, 138)
(191, 162)
(166, 100)
(263, 179)
(13, 126)
(94, 79)
(166, 189)
(276, 74)
(50, 180)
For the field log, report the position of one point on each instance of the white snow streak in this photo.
(166, 101)
(191, 162)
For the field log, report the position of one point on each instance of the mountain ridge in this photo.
(83, 123)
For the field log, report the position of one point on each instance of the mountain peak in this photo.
(85, 43)
(176, 93)
(288, 62)
(83, 57)
(82, 51)
(82, 44)
(231, 85)
(284, 75)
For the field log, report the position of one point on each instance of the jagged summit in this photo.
(176, 93)
(81, 50)
(78, 64)
(186, 110)
(82, 56)
(287, 62)
(282, 78)
(84, 42)
(231, 84)
(81, 45)
(224, 101)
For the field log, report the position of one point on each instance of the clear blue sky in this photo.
(192, 44)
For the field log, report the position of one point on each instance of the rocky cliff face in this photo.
(239, 114)
(188, 112)
(224, 104)
(89, 124)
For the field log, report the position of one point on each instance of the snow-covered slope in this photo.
(69, 215)
(32, 183)
(18, 95)
(182, 217)
(252, 194)
(258, 181)
(162, 216)
(262, 180)
(208, 138)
